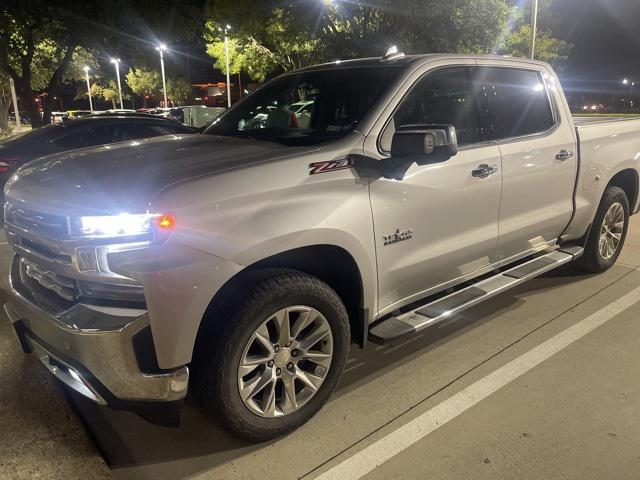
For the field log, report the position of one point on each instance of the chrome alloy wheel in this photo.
(285, 361)
(611, 231)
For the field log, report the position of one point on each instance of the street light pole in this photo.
(86, 73)
(161, 48)
(534, 25)
(116, 62)
(226, 53)
(631, 84)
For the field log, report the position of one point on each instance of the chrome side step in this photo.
(443, 308)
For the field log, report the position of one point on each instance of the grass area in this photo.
(604, 115)
(4, 136)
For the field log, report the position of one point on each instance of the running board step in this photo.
(436, 311)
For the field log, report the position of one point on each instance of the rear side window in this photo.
(70, 141)
(518, 102)
(155, 130)
(111, 133)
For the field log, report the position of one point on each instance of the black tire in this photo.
(220, 347)
(592, 260)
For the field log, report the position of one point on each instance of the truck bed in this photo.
(582, 120)
(607, 145)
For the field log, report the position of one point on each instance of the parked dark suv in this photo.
(83, 132)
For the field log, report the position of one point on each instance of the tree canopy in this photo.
(46, 42)
(271, 36)
(144, 82)
(179, 91)
(517, 42)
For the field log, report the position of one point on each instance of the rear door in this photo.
(539, 160)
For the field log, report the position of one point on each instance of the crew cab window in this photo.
(518, 102)
(445, 96)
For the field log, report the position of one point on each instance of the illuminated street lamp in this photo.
(116, 62)
(86, 73)
(161, 48)
(225, 30)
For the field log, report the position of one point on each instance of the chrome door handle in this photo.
(484, 170)
(563, 155)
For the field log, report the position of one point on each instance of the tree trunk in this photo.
(56, 80)
(23, 84)
(26, 96)
(5, 103)
(47, 107)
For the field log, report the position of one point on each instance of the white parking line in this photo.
(402, 438)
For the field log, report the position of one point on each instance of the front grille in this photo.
(35, 286)
(51, 226)
(44, 251)
(62, 286)
(55, 292)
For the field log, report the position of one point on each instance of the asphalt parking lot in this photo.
(540, 382)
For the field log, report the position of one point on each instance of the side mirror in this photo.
(424, 144)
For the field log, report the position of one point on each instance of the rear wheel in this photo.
(608, 231)
(278, 357)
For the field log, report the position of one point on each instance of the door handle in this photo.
(563, 155)
(484, 170)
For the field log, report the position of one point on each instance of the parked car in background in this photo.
(71, 114)
(115, 111)
(200, 115)
(58, 118)
(124, 113)
(24, 118)
(84, 132)
(303, 111)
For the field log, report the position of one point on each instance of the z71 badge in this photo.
(398, 236)
(330, 166)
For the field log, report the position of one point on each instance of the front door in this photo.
(441, 222)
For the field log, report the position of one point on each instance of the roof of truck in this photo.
(405, 60)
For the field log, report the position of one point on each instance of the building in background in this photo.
(215, 94)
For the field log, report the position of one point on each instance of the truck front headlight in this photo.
(123, 224)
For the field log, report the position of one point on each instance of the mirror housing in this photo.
(424, 144)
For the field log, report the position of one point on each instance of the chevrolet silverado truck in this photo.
(241, 263)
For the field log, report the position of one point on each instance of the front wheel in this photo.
(278, 359)
(608, 231)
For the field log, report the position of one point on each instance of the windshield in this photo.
(307, 108)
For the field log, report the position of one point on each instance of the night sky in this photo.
(606, 38)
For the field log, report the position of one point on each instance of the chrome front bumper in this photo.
(91, 349)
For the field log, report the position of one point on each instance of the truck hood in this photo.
(125, 177)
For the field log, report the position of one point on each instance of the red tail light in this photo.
(7, 163)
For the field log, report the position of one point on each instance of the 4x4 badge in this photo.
(398, 236)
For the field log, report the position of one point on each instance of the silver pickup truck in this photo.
(242, 262)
